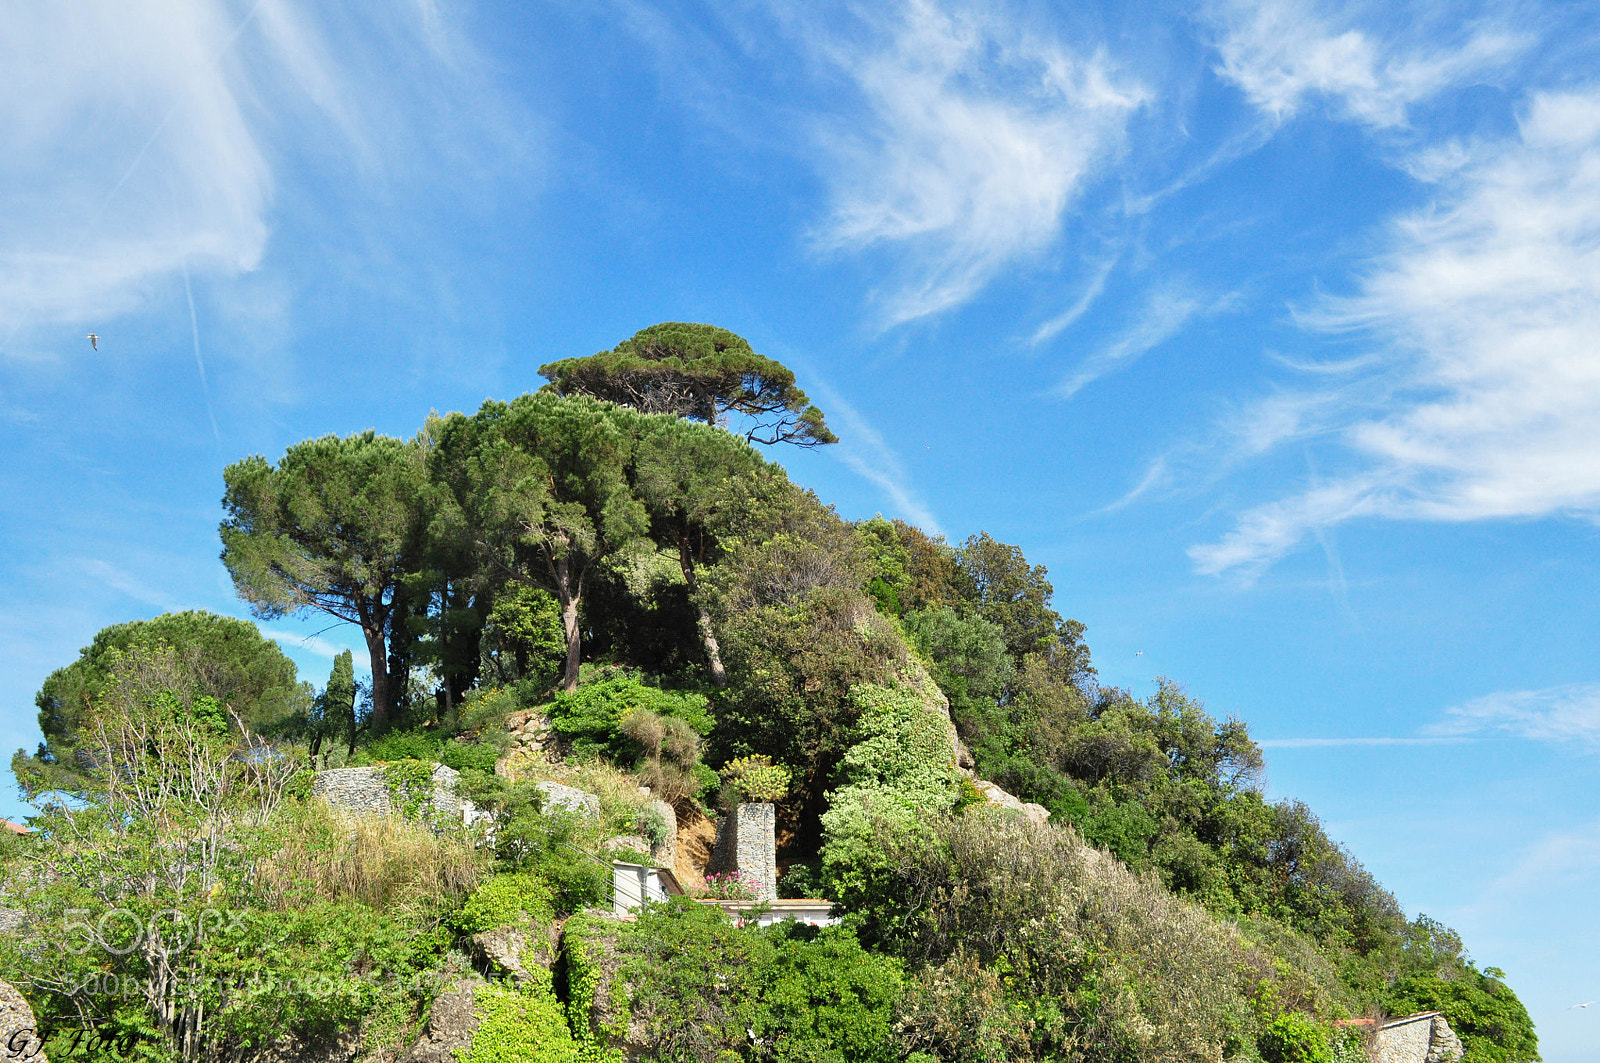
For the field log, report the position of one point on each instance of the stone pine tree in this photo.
(701, 372)
(337, 526)
(684, 472)
(542, 487)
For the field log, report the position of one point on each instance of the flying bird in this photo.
(94, 341)
(1139, 654)
(1583, 1005)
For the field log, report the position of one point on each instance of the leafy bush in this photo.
(899, 773)
(556, 847)
(590, 717)
(958, 1011)
(1493, 1025)
(1102, 964)
(689, 985)
(823, 999)
(400, 745)
(516, 900)
(756, 778)
(468, 756)
(1291, 1037)
(525, 1024)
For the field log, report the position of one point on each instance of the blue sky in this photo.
(1268, 326)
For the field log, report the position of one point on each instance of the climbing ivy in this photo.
(410, 784)
(522, 1025)
(583, 979)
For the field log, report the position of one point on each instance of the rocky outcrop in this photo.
(530, 731)
(561, 798)
(452, 1022)
(996, 796)
(625, 846)
(19, 1031)
(339, 1049)
(665, 852)
(516, 951)
(594, 960)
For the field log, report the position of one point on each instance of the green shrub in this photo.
(1291, 1037)
(967, 796)
(692, 986)
(825, 1000)
(554, 847)
(803, 878)
(468, 756)
(525, 1024)
(401, 745)
(899, 774)
(1101, 963)
(516, 900)
(589, 718)
(1493, 1025)
(756, 778)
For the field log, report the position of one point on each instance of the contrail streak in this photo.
(194, 330)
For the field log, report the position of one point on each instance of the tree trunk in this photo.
(569, 598)
(378, 654)
(708, 637)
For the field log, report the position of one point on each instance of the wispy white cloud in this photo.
(1167, 310)
(140, 138)
(1565, 714)
(312, 644)
(1080, 306)
(1558, 857)
(864, 450)
(106, 574)
(977, 134)
(1485, 311)
(1281, 53)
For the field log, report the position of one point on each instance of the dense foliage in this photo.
(602, 586)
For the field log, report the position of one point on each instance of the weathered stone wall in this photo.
(365, 792)
(747, 843)
(1424, 1038)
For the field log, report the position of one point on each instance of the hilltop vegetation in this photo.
(630, 567)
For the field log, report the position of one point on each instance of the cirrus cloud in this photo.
(975, 137)
(1485, 310)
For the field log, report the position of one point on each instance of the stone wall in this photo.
(747, 843)
(1424, 1038)
(365, 792)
